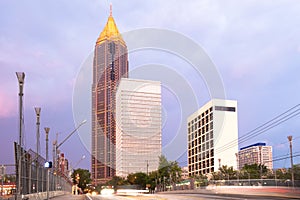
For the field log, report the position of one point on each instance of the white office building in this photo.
(257, 153)
(138, 122)
(213, 137)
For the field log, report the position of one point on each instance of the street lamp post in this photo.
(47, 160)
(290, 138)
(21, 78)
(58, 145)
(238, 168)
(37, 112)
(83, 122)
(260, 153)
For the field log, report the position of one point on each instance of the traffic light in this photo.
(48, 164)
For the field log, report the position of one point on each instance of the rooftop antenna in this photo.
(110, 9)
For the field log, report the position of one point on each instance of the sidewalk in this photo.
(69, 196)
(249, 191)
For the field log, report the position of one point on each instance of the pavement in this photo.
(285, 192)
(69, 196)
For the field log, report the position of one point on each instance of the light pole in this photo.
(47, 160)
(2, 178)
(238, 168)
(58, 145)
(83, 122)
(37, 112)
(147, 167)
(21, 78)
(260, 153)
(290, 138)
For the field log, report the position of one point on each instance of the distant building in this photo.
(212, 137)
(138, 123)
(184, 173)
(257, 153)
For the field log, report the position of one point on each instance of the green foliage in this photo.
(82, 177)
(140, 179)
(169, 170)
(227, 172)
(117, 181)
(254, 171)
(297, 172)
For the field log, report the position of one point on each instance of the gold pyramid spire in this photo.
(110, 31)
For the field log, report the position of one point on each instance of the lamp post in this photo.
(260, 155)
(21, 78)
(47, 159)
(238, 167)
(83, 122)
(58, 145)
(290, 138)
(37, 112)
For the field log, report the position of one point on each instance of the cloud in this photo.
(8, 106)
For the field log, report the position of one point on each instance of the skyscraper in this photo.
(110, 64)
(138, 135)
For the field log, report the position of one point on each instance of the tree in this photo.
(163, 167)
(254, 171)
(139, 179)
(168, 169)
(227, 172)
(117, 181)
(82, 177)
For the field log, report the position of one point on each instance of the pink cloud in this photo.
(8, 106)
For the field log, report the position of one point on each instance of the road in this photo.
(181, 197)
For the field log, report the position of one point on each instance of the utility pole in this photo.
(47, 160)
(2, 178)
(147, 167)
(37, 112)
(290, 138)
(21, 77)
(260, 155)
(237, 166)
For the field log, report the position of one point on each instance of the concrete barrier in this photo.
(43, 195)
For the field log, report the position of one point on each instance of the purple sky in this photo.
(255, 46)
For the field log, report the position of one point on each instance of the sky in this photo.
(253, 46)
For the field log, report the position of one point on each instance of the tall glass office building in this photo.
(110, 64)
(138, 137)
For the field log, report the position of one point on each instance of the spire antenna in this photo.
(110, 9)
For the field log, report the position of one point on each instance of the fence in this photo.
(33, 177)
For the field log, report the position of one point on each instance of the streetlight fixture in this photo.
(83, 122)
(38, 113)
(290, 138)
(58, 145)
(21, 78)
(47, 129)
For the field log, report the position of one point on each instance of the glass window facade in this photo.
(138, 136)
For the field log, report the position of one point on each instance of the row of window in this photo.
(203, 171)
(200, 117)
(200, 123)
(201, 132)
(201, 148)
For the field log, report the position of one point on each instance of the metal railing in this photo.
(34, 174)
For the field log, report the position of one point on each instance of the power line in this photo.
(279, 119)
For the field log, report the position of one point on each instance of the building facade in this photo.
(139, 126)
(212, 137)
(110, 64)
(257, 153)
